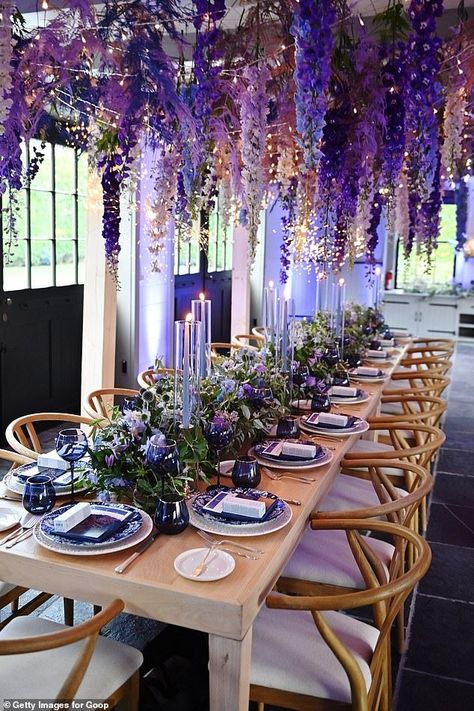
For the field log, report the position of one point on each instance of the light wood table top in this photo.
(151, 588)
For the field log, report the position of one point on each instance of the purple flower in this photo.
(109, 460)
(260, 368)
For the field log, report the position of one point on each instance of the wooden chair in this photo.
(420, 382)
(11, 594)
(411, 408)
(440, 364)
(449, 343)
(325, 561)
(22, 434)
(147, 378)
(221, 350)
(99, 403)
(433, 348)
(343, 663)
(41, 659)
(258, 331)
(249, 340)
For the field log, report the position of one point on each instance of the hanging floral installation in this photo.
(342, 121)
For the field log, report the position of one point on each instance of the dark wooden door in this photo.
(40, 351)
(206, 268)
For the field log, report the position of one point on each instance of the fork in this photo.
(27, 524)
(228, 541)
(200, 566)
(303, 479)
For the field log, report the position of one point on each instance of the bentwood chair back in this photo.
(420, 382)
(291, 664)
(41, 659)
(258, 331)
(441, 364)
(99, 404)
(414, 442)
(11, 594)
(22, 433)
(221, 349)
(249, 340)
(147, 378)
(432, 349)
(412, 408)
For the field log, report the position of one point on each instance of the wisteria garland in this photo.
(461, 195)
(6, 68)
(161, 206)
(453, 127)
(312, 29)
(254, 109)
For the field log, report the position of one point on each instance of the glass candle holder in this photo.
(187, 360)
(201, 311)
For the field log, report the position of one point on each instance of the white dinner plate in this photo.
(363, 397)
(261, 528)
(226, 467)
(290, 466)
(369, 378)
(219, 564)
(359, 428)
(9, 517)
(67, 548)
(17, 486)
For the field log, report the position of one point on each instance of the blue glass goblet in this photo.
(39, 495)
(246, 472)
(162, 457)
(288, 428)
(129, 404)
(321, 402)
(71, 445)
(354, 360)
(218, 433)
(171, 515)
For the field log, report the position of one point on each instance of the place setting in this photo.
(365, 374)
(333, 425)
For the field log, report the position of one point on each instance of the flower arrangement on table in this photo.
(243, 389)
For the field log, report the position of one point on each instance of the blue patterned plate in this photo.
(202, 499)
(288, 458)
(128, 529)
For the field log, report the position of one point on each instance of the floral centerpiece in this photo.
(243, 388)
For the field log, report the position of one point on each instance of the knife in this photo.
(141, 549)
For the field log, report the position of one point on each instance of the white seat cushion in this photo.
(289, 654)
(391, 408)
(374, 448)
(41, 674)
(350, 492)
(5, 587)
(326, 557)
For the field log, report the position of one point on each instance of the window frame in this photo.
(28, 240)
(449, 198)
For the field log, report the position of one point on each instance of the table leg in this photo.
(229, 672)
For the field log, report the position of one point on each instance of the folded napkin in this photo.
(343, 391)
(330, 421)
(52, 460)
(289, 450)
(376, 354)
(369, 372)
(387, 342)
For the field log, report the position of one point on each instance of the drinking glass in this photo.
(39, 495)
(129, 404)
(260, 395)
(162, 457)
(321, 402)
(71, 445)
(218, 433)
(288, 428)
(171, 515)
(246, 472)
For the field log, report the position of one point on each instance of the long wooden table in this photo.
(151, 588)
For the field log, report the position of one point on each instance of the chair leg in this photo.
(401, 630)
(260, 706)
(97, 609)
(133, 693)
(68, 606)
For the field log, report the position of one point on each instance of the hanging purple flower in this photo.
(312, 29)
(461, 196)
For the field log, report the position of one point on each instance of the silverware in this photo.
(200, 566)
(295, 502)
(28, 522)
(276, 477)
(141, 549)
(20, 538)
(228, 541)
(9, 498)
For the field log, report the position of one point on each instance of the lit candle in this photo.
(377, 281)
(271, 306)
(186, 368)
(284, 332)
(201, 311)
(341, 296)
(316, 300)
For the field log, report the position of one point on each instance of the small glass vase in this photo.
(171, 515)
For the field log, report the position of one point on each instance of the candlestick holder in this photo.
(187, 363)
(201, 311)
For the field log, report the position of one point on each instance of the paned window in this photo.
(51, 222)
